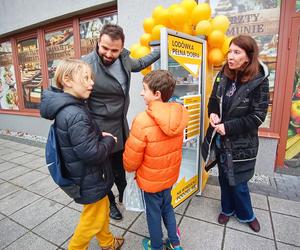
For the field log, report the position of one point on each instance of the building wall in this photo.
(18, 15)
(130, 16)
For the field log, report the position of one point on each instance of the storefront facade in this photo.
(31, 47)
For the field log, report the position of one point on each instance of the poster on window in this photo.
(259, 19)
(8, 86)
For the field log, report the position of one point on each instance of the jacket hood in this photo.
(172, 118)
(53, 100)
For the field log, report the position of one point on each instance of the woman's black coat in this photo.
(246, 113)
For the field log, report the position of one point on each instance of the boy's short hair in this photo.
(162, 81)
(114, 31)
(69, 67)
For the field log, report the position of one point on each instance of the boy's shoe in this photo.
(170, 247)
(146, 244)
(118, 243)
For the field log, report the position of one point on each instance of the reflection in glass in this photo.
(59, 45)
(8, 86)
(31, 77)
(292, 154)
(259, 19)
(90, 31)
(297, 5)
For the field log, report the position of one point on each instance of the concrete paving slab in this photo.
(75, 206)
(259, 201)
(132, 241)
(43, 169)
(40, 152)
(24, 159)
(29, 149)
(282, 246)
(197, 234)
(9, 232)
(128, 218)
(6, 151)
(16, 146)
(182, 207)
(35, 242)
(36, 212)
(286, 229)
(28, 178)
(285, 206)
(58, 228)
(4, 166)
(7, 189)
(16, 201)
(205, 209)
(59, 196)
(37, 163)
(2, 216)
(264, 220)
(14, 173)
(43, 186)
(236, 240)
(12, 155)
(140, 225)
(212, 191)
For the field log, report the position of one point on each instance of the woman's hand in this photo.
(220, 129)
(109, 134)
(214, 119)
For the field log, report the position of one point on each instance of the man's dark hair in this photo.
(162, 81)
(114, 31)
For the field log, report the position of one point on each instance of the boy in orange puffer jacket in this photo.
(154, 151)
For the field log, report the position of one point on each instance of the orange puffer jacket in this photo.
(154, 146)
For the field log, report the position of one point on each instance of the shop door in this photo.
(290, 153)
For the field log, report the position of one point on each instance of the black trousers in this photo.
(116, 161)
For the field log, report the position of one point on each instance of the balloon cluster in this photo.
(190, 18)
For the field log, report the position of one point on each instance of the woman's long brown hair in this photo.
(250, 70)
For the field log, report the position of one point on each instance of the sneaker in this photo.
(254, 225)
(118, 243)
(170, 247)
(115, 212)
(223, 219)
(146, 244)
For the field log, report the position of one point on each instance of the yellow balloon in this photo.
(148, 24)
(215, 57)
(187, 29)
(203, 28)
(133, 49)
(188, 5)
(161, 16)
(155, 35)
(156, 11)
(216, 39)
(178, 16)
(220, 23)
(225, 45)
(145, 39)
(141, 51)
(201, 12)
(146, 70)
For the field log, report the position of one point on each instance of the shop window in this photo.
(297, 5)
(259, 19)
(59, 45)
(90, 31)
(8, 86)
(30, 69)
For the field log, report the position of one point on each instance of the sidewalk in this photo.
(36, 215)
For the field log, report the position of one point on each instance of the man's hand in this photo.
(214, 119)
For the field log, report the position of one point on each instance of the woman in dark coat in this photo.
(237, 107)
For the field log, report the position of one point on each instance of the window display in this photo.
(8, 86)
(30, 69)
(260, 19)
(59, 45)
(90, 31)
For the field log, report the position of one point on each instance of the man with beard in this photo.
(109, 100)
